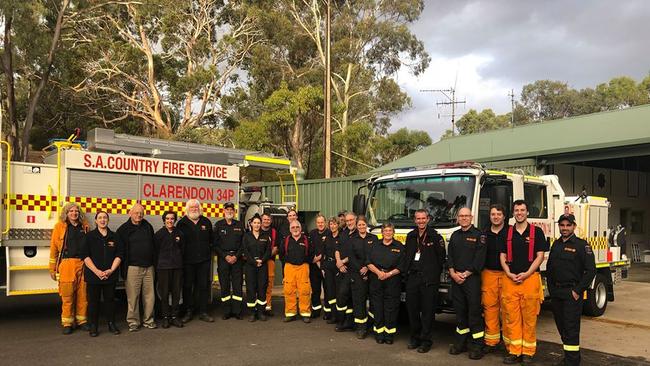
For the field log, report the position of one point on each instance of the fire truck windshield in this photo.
(442, 196)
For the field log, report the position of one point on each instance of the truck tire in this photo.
(596, 301)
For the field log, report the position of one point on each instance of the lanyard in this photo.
(422, 240)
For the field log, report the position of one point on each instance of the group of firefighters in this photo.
(496, 285)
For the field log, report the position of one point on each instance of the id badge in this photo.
(417, 256)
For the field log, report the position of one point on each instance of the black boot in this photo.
(165, 322)
(188, 316)
(113, 328)
(93, 330)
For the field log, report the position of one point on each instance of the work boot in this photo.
(268, 312)
(475, 354)
(413, 344)
(306, 319)
(177, 322)
(288, 319)
(379, 338)
(165, 322)
(67, 330)
(362, 333)
(84, 327)
(262, 317)
(226, 316)
(331, 320)
(93, 331)
(424, 348)
(239, 316)
(455, 349)
(388, 339)
(315, 314)
(113, 328)
(188, 316)
(511, 359)
(527, 359)
(327, 316)
(206, 318)
(489, 349)
(252, 318)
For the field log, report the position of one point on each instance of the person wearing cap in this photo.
(569, 271)
(522, 293)
(228, 238)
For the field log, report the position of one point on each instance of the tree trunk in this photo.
(33, 102)
(8, 70)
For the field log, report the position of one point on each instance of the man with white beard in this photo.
(197, 230)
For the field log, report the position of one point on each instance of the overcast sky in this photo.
(495, 46)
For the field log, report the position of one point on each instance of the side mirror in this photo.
(359, 204)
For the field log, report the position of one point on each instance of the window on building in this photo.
(636, 222)
(535, 196)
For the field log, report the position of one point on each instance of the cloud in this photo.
(500, 45)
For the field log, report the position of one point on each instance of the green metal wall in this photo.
(328, 196)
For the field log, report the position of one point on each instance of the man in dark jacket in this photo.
(197, 254)
(422, 265)
(228, 238)
(138, 237)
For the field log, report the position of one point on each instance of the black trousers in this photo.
(567, 313)
(469, 312)
(231, 277)
(169, 282)
(359, 299)
(384, 301)
(94, 292)
(329, 285)
(316, 281)
(257, 281)
(196, 286)
(344, 299)
(421, 303)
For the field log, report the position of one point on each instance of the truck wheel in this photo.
(596, 301)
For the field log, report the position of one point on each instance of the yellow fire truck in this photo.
(444, 189)
(109, 172)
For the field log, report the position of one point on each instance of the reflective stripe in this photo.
(506, 340)
(462, 331)
(379, 330)
(332, 302)
(237, 298)
(305, 314)
(390, 330)
(529, 344)
(289, 315)
(494, 336)
(260, 302)
(226, 298)
(361, 321)
(341, 309)
(67, 320)
(371, 314)
(349, 311)
(80, 317)
(250, 304)
(52, 260)
(516, 342)
(571, 348)
(478, 335)
(327, 310)
(317, 307)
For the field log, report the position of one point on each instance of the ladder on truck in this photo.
(289, 196)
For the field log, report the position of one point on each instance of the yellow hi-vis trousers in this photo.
(296, 285)
(521, 304)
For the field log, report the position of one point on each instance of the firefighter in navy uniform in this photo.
(317, 238)
(384, 259)
(569, 271)
(344, 307)
(328, 265)
(422, 266)
(360, 246)
(466, 257)
(229, 233)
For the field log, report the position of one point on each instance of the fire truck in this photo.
(110, 172)
(443, 189)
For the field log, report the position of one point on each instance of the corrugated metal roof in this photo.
(626, 127)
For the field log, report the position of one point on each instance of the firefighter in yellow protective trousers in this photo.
(66, 265)
(296, 253)
(492, 278)
(274, 239)
(522, 297)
